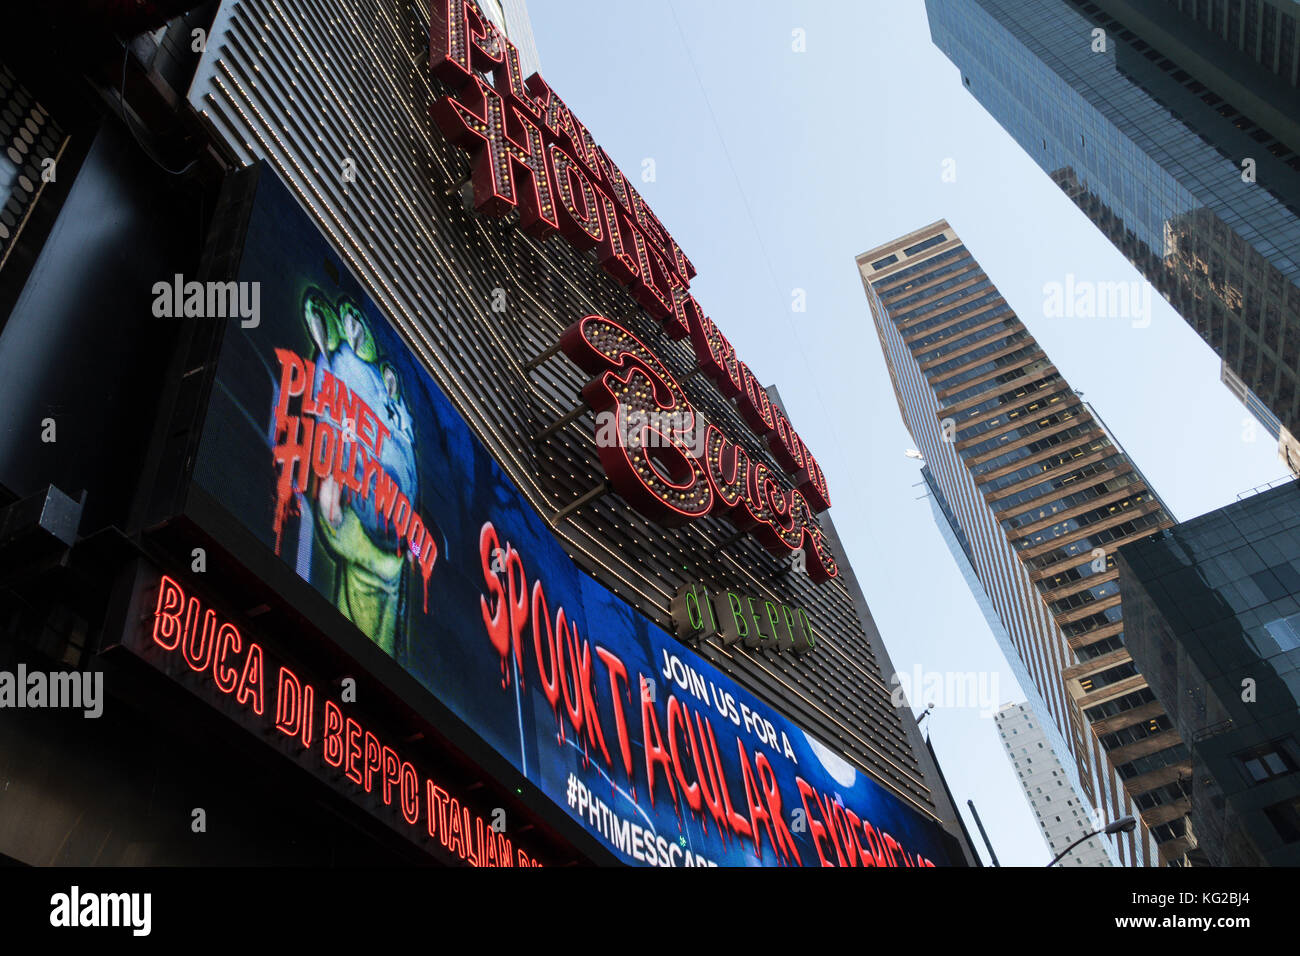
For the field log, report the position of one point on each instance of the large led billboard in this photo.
(328, 440)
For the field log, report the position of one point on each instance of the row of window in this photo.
(1047, 464)
(925, 244)
(1111, 675)
(1135, 732)
(1003, 327)
(944, 334)
(966, 278)
(1001, 341)
(1170, 831)
(1034, 447)
(1006, 378)
(1072, 602)
(1036, 405)
(1097, 649)
(968, 288)
(948, 315)
(1009, 398)
(1002, 361)
(1030, 427)
(1056, 483)
(1070, 525)
(1093, 622)
(1118, 705)
(1077, 573)
(897, 296)
(895, 282)
(1161, 758)
(1095, 540)
(1169, 793)
(1090, 493)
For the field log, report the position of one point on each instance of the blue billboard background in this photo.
(340, 541)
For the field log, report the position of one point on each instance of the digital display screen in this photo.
(329, 441)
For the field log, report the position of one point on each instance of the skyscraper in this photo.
(1061, 813)
(1213, 613)
(1041, 495)
(1288, 449)
(1173, 126)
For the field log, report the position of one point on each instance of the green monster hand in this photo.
(367, 551)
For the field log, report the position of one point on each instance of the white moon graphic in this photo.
(841, 770)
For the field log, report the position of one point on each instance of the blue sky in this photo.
(773, 169)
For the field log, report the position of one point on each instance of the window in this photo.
(1174, 828)
(1285, 817)
(1108, 676)
(1268, 761)
(887, 261)
(1161, 795)
(1120, 704)
(1161, 758)
(1285, 631)
(925, 244)
(1136, 732)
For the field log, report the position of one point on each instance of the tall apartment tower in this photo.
(1042, 496)
(1174, 125)
(1062, 814)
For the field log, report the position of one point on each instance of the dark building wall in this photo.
(82, 358)
(1212, 616)
(122, 789)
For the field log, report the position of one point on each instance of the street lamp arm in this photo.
(1073, 845)
(1122, 825)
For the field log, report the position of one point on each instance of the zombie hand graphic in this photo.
(369, 555)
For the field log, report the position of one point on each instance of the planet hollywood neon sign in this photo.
(532, 154)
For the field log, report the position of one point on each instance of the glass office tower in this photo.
(1173, 126)
(1037, 495)
(1212, 611)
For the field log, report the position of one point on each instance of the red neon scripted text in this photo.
(239, 670)
(531, 153)
(683, 758)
